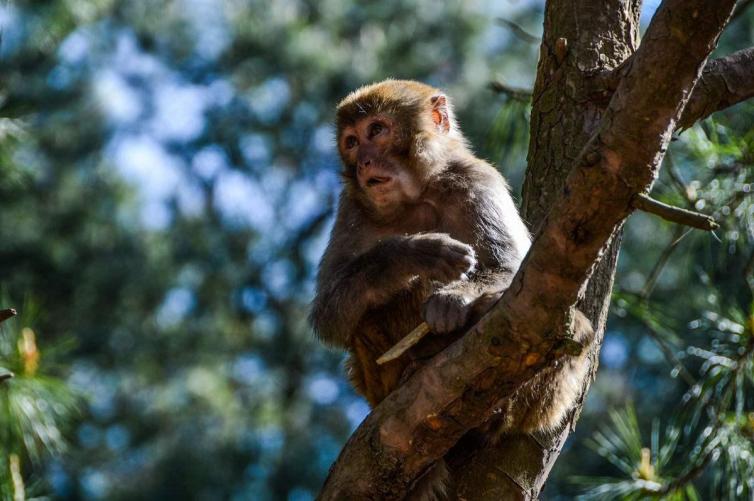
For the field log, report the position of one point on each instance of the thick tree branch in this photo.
(726, 81)
(456, 390)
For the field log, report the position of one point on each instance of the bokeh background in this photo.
(167, 182)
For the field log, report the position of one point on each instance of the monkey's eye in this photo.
(375, 129)
(351, 141)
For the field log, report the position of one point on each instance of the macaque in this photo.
(425, 231)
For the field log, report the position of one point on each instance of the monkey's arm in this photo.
(347, 288)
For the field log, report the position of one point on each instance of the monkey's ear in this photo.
(440, 112)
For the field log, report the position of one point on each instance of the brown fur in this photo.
(380, 277)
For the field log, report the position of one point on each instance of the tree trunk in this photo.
(582, 39)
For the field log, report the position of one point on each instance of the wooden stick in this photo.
(674, 214)
(404, 344)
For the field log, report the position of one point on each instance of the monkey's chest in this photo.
(420, 218)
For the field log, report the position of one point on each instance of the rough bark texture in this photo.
(725, 82)
(422, 420)
(597, 36)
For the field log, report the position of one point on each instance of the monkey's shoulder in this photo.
(469, 177)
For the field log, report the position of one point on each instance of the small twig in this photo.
(678, 180)
(6, 314)
(516, 93)
(674, 214)
(669, 354)
(517, 30)
(649, 285)
(404, 344)
(687, 477)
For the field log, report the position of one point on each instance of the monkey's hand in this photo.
(438, 256)
(446, 311)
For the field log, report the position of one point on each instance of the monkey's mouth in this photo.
(377, 180)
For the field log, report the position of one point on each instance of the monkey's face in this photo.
(372, 152)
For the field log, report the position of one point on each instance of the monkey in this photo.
(424, 231)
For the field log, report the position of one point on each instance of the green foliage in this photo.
(167, 174)
(35, 407)
(704, 336)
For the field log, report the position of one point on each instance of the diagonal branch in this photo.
(455, 391)
(726, 81)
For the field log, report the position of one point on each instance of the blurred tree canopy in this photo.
(167, 178)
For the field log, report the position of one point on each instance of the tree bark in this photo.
(581, 39)
(615, 154)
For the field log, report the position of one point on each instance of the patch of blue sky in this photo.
(144, 161)
(117, 99)
(327, 450)
(178, 111)
(268, 100)
(60, 77)
(117, 437)
(614, 354)
(178, 302)
(158, 176)
(253, 299)
(210, 26)
(132, 61)
(266, 324)
(247, 368)
(209, 161)
(75, 48)
(270, 438)
(648, 9)
(255, 149)
(322, 389)
(89, 436)
(94, 483)
(59, 479)
(102, 398)
(13, 29)
(220, 92)
(303, 202)
(649, 352)
(328, 180)
(242, 201)
(190, 198)
(323, 139)
(279, 277)
(300, 494)
(356, 412)
(262, 250)
(313, 248)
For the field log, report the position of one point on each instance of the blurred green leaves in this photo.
(35, 408)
